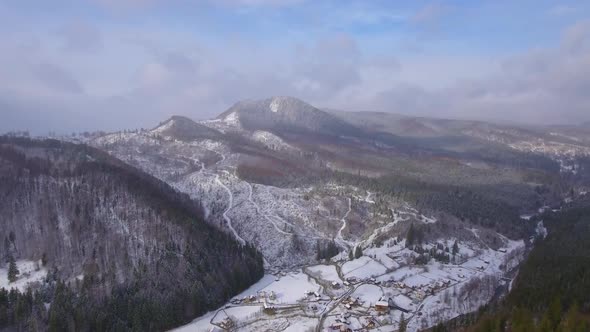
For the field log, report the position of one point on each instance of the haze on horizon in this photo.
(112, 64)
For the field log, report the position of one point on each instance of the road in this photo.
(229, 207)
(339, 237)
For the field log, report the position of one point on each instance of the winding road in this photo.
(229, 207)
(339, 237)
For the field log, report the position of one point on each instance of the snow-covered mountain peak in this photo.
(281, 113)
(278, 103)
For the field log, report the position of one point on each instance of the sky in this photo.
(77, 65)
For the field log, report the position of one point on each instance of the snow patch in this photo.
(325, 272)
(31, 272)
(163, 127)
(232, 119)
(541, 230)
(275, 105)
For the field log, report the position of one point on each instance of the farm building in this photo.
(382, 306)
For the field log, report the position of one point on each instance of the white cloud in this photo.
(137, 75)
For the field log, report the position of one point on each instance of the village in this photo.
(379, 291)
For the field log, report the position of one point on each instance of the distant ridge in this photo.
(185, 129)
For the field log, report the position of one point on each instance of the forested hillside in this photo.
(552, 289)
(122, 248)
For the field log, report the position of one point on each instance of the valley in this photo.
(295, 227)
(294, 165)
(349, 293)
(411, 234)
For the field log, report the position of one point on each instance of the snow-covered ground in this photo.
(364, 267)
(291, 288)
(429, 293)
(294, 218)
(325, 272)
(31, 272)
(368, 294)
(288, 224)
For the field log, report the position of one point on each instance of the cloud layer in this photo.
(130, 64)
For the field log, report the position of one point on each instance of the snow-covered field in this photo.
(325, 272)
(368, 294)
(292, 288)
(364, 267)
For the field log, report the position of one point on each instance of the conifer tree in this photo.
(12, 269)
(455, 248)
(403, 325)
(358, 252)
(410, 237)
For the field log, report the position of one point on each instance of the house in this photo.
(335, 326)
(420, 294)
(269, 308)
(227, 324)
(503, 250)
(382, 306)
(335, 285)
(340, 327)
(350, 301)
(369, 323)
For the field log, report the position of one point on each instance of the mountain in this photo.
(119, 247)
(396, 124)
(367, 195)
(556, 142)
(286, 114)
(185, 129)
(262, 182)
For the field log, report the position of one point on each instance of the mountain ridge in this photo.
(184, 128)
(286, 114)
(110, 235)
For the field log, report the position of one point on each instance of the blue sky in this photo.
(108, 64)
